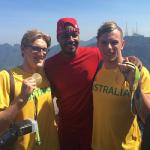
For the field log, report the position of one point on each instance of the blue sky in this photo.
(18, 16)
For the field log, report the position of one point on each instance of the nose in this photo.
(42, 53)
(110, 48)
(70, 38)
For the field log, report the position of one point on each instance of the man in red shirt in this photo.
(71, 73)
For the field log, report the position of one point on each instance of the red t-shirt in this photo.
(72, 80)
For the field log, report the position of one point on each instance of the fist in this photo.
(128, 69)
(29, 84)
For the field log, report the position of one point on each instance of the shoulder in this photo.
(52, 60)
(91, 51)
(145, 80)
(18, 74)
(144, 72)
(51, 63)
(3, 74)
(53, 57)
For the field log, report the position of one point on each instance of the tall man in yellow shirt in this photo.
(115, 124)
(31, 101)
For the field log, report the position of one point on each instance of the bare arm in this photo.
(145, 105)
(133, 76)
(8, 115)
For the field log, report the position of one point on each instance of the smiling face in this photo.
(111, 45)
(35, 54)
(69, 41)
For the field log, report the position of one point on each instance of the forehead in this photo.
(115, 34)
(39, 41)
(69, 28)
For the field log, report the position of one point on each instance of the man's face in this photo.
(35, 54)
(69, 40)
(111, 45)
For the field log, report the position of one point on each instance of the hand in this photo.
(28, 85)
(136, 61)
(128, 70)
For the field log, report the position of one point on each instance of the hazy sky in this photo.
(18, 16)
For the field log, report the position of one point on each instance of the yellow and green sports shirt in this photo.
(45, 111)
(115, 127)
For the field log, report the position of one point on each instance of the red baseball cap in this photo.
(61, 24)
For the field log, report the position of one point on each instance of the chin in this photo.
(72, 53)
(40, 64)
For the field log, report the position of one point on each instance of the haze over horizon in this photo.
(19, 16)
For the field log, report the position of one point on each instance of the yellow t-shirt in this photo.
(45, 111)
(114, 126)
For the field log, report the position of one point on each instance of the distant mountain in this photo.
(55, 49)
(10, 55)
(89, 42)
(136, 45)
(140, 47)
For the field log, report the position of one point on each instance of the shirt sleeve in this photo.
(145, 80)
(4, 89)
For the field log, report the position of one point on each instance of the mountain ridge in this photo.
(135, 45)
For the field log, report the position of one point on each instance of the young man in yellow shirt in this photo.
(115, 125)
(31, 101)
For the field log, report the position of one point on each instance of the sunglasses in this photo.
(38, 49)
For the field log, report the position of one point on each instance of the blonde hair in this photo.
(30, 36)
(108, 27)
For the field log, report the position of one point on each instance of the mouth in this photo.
(70, 44)
(39, 63)
(39, 60)
(114, 57)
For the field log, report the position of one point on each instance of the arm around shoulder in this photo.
(144, 94)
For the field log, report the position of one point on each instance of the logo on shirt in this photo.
(111, 90)
(38, 92)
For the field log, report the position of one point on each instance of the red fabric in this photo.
(72, 79)
(61, 24)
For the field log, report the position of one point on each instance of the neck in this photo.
(68, 55)
(28, 69)
(113, 64)
(110, 66)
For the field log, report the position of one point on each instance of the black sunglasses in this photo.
(38, 49)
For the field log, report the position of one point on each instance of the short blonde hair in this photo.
(108, 27)
(30, 36)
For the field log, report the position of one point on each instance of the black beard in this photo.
(70, 43)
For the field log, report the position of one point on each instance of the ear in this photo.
(123, 44)
(97, 43)
(22, 52)
(58, 38)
